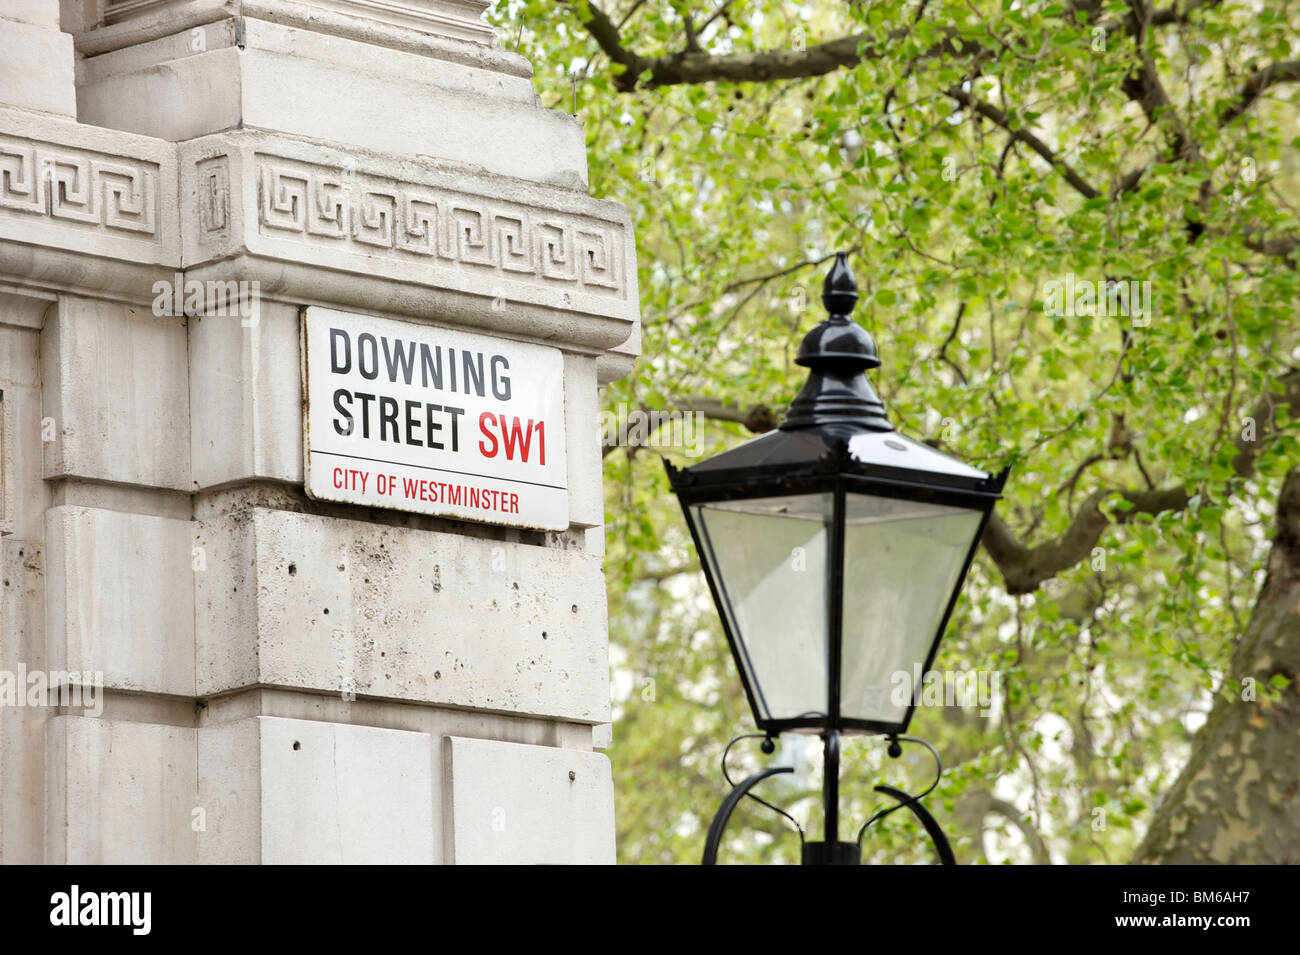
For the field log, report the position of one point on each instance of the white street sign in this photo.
(423, 419)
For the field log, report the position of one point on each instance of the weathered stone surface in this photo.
(116, 388)
(528, 805)
(594, 541)
(388, 159)
(119, 792)
(37, 73)
(23, 495)
(230, 742)
(40, 13)
(435, 28)
(344, 794)
(119, 598)
(246, 420)
(335, 605)
(292, 80)
(230, 793)
(22, 729)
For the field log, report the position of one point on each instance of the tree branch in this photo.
(1255, 85)
(999, 118)
(659, 576)
(1143, 86)
(691, 67)
(1025, 568)
(1031, 835)
(757, 418)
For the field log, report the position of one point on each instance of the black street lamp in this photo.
(835, 549)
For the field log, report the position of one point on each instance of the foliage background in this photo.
(739, 192)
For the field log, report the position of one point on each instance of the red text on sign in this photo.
(515, 437)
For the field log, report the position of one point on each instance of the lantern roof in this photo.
(817, 446)
(837, 423)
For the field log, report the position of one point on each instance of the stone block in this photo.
(164, 89)
(22, 729)
(230, 795)
(119, 598)
(119, 792)
(37, 13)
(85, 207)
(38, 67)
(116, 386)
(594, 541)
(302, 83)
(332, 793)
(516, 804)
(297, 600)
(246, 420)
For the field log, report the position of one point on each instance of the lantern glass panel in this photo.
(903, 560)
(768, 559)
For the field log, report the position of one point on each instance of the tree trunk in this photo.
(1237, 800)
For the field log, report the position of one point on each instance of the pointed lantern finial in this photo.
(840, 289)
(837, 352)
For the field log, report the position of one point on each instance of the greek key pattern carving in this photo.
(369, 215)
(113, 193)
(213, 198)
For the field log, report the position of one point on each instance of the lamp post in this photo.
(835, 549)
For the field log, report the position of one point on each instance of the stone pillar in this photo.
(285, 678)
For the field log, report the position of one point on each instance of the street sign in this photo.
(424, 419)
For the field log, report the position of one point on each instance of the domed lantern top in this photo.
(834, 547)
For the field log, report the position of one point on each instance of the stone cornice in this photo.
(414, 238)
(104, 212)
(471, 46)
(99, 205)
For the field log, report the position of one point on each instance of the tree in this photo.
(1073, 225)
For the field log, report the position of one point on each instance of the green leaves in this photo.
(732, 188)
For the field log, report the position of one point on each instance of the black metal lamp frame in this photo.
(839, 474)
(812, 453)
(830, 851)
